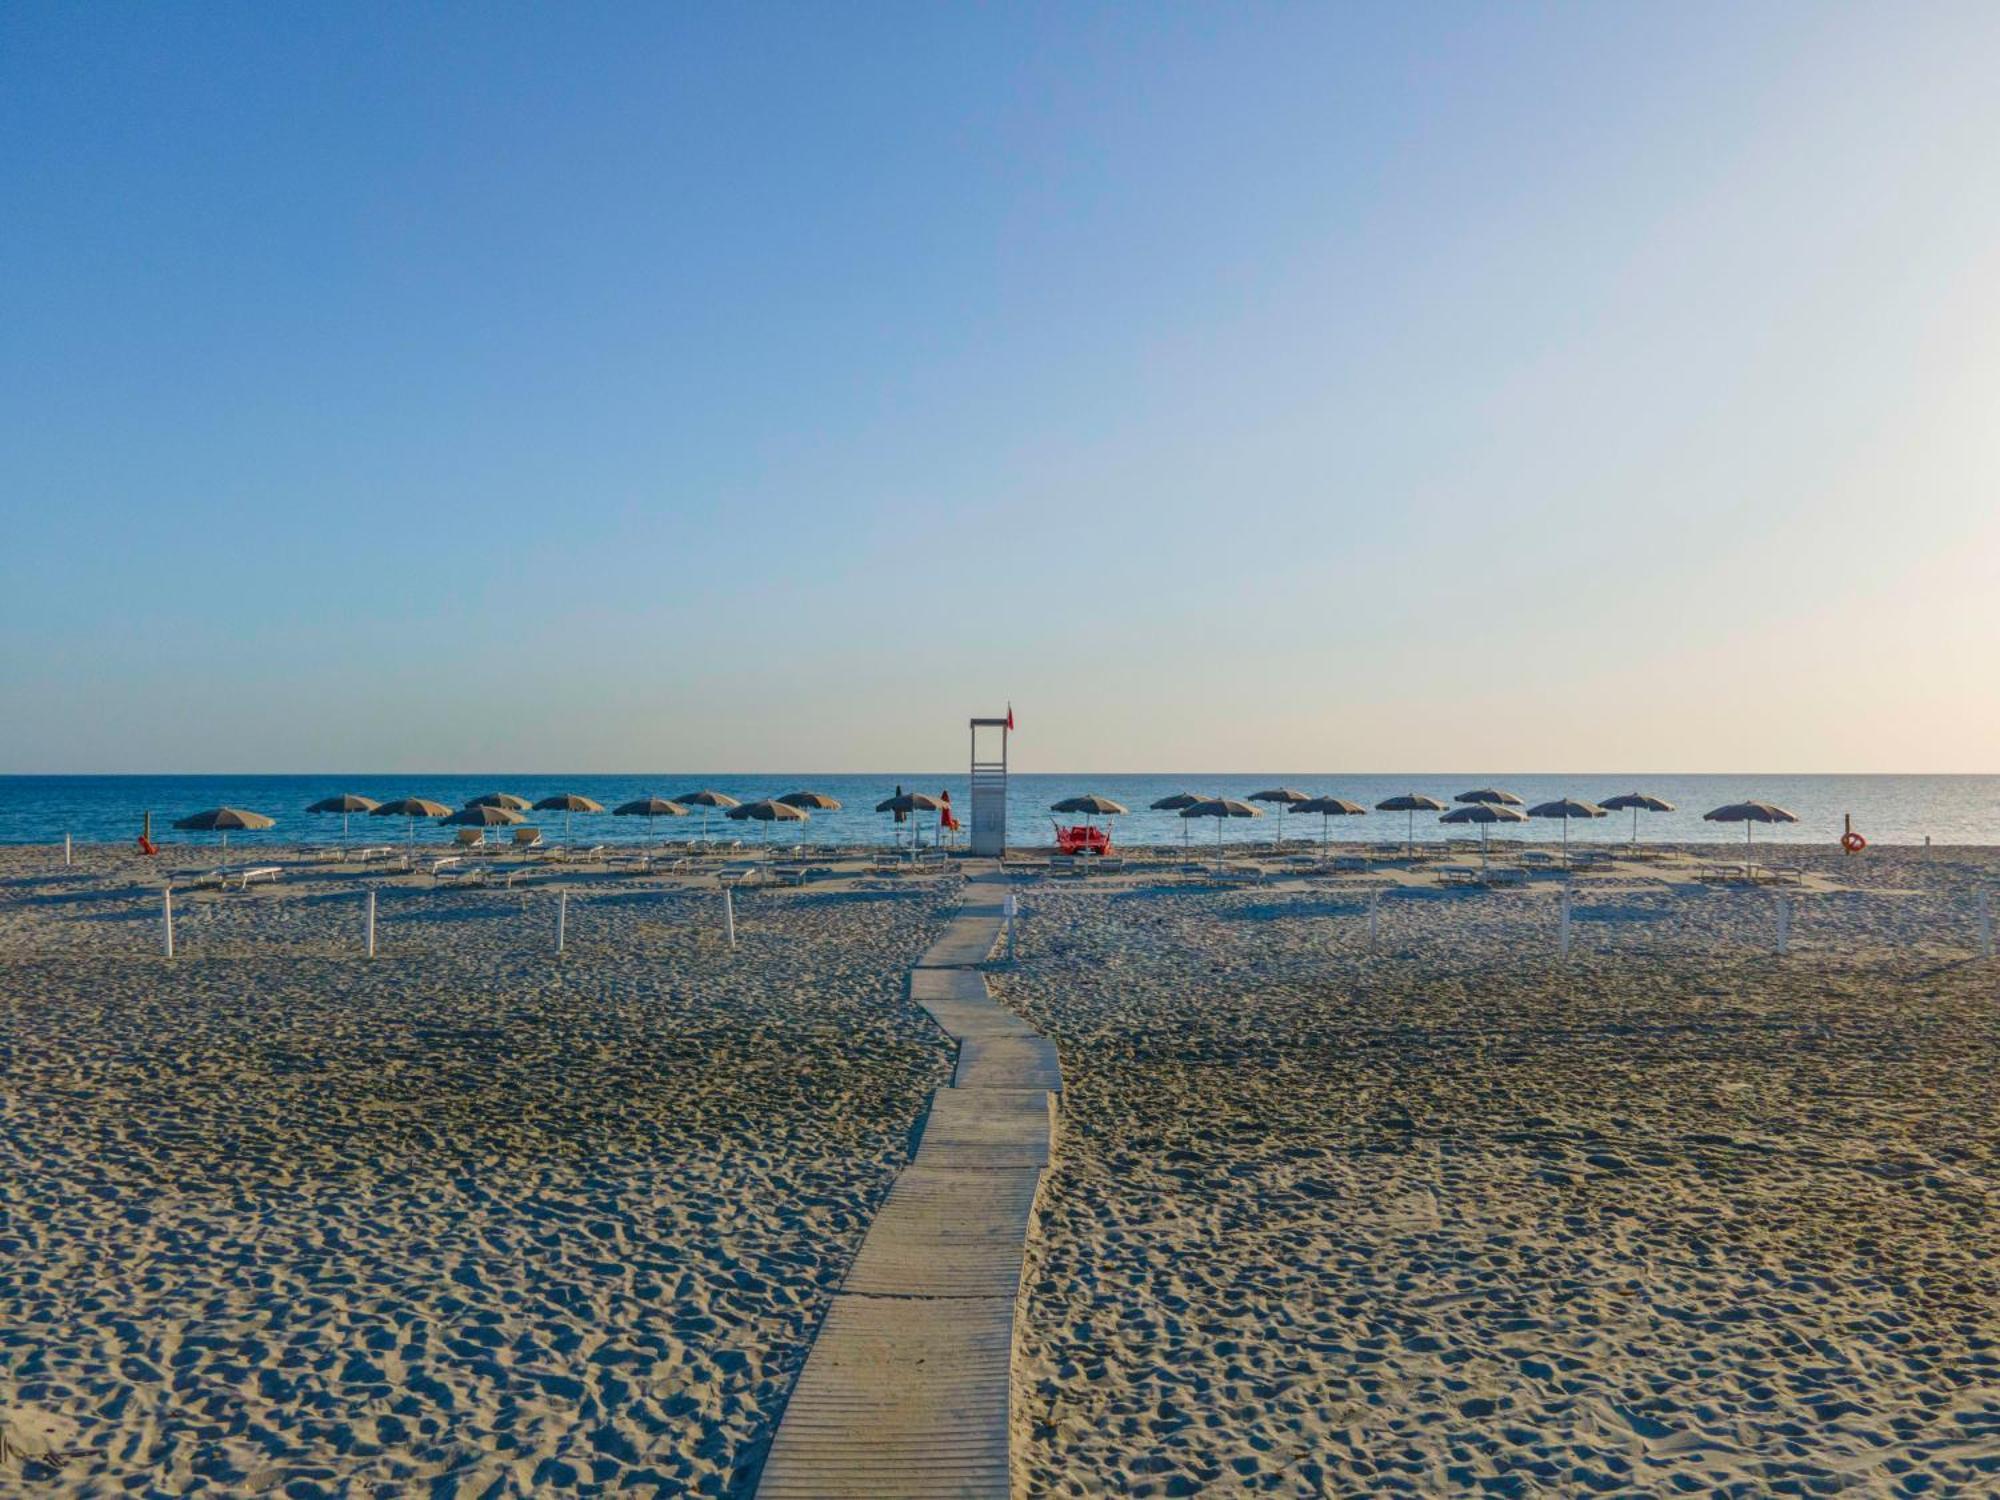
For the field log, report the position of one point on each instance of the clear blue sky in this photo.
(631, 387)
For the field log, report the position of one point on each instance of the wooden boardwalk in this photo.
(904, 1395)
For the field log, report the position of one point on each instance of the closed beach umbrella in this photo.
(500, 799)
(1566, 808)
(1328, 809)
(649, 808)
(705, 799)
(221, 820)
(346, 804)
(1220, 808)
(767, 812)
(1175, 803)
(1282, 795)
(1490, 796)
(1411, 803)
(412, 808)
(1485, 814)
(811, 801)
(1638, 802)
(568, 804)
(1749, 814)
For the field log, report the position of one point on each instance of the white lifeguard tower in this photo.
(989, 785)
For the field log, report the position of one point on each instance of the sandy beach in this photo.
(466, 1219)
(1454, 1218)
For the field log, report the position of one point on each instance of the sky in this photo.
(1323, 387)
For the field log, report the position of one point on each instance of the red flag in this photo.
(1010, 716)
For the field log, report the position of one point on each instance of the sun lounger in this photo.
(1064, 865)
(527, 838)
(1458, 875)
(1109, 864)
(1349, 863)
(445, 862)
(1512, 875)
(1237, 874)
(470, 839)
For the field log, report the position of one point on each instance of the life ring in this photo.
(1853, 842)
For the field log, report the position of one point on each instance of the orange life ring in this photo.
(1853, 842)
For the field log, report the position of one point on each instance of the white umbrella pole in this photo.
(225, 848)
(1565, 841)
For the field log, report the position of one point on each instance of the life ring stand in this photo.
(1853, 842)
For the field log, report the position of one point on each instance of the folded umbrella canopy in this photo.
(1411, 803)
(1328, 809)
(649, 808)
(1283, 795)
(346, 804)
(221, 820)
(568, 804)
(1749, 814)
(1485, 814)
(412, 808)
(1220, 808)
(1638, 802)
(1566, 808)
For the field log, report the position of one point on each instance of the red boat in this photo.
(1082, 839)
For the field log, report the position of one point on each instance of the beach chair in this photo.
(527, 838)
(445, 862)
(470, 839)
(1458, 875)
(1511, 875)
(1064, 866)
(1238, 874)
(454, 872)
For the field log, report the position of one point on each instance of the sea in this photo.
(1884, 809)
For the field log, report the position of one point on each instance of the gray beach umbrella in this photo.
(1485, 814)
(222, 820)
(1490, 796)
(568, 804)
(706, 799)
(907, 804)
(411, 808)
(1749, 814)
(1091, 806)
(482, 815)
(1284, 796)
(500, 799)
(770, 810)
(346, 804)
(1328, 809)
(811, 801)
(1566, 808)
(1220, 808)
(1175, 803)
(1411, 803)
(1638, 802)
(649, 808)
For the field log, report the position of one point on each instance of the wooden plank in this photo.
(987, 1129)
(1005, 1061)
(948, 1234)
(900, 1399)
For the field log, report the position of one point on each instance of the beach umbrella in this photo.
(1328, 809)
(500, 799)
(1091, 806)
(412, 808)
(1638, 802)
(705, 799)
(1175, 803)
(1220, 808)
(1411, 803)
(345, 804)
(223, 819)
(649, 808)
(1283, 795)
(768, 811)
(903, 804)
(1566, 808)
(481, 815)
(1490, 796)
(568, 804)
(1749, 814)
(811, 801)
(1485, 814)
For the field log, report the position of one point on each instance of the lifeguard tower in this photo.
(989, 785)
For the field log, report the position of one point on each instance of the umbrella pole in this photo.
(1482, 848)
(1565, 841)
(225, 848)
(1410, 838)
